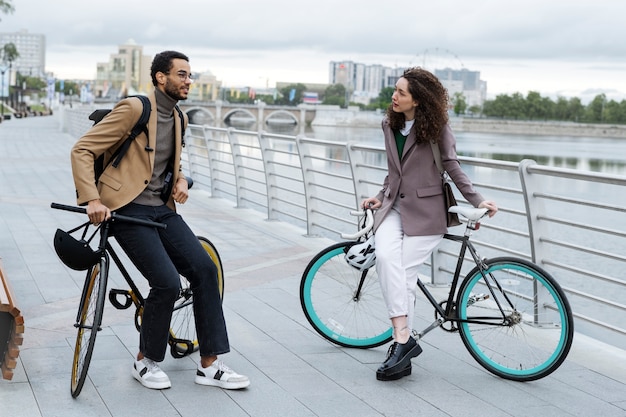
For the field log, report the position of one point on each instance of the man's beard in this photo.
(173, 92)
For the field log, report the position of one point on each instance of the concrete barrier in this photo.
(11, 328)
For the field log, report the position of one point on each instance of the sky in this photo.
(555, 47)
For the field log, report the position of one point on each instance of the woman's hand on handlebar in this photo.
(97, 212)
(371, 203)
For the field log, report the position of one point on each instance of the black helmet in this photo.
(76, 254)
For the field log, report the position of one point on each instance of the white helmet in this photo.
(362, 255)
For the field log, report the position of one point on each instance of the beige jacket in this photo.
(119, 186)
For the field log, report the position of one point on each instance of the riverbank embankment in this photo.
(527, 127)
(353, 117)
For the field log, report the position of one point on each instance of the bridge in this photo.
(247, 115)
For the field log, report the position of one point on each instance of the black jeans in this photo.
(161, 255)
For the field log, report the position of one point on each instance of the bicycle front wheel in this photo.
(343, 304)
(183, 337)
(515, 320)
(88, 322)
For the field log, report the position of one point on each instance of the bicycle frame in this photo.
(449, 313)
(512, 316)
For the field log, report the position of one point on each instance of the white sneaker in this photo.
(150, 375)
(220, 375)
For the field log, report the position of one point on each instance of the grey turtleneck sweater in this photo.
(164, 150)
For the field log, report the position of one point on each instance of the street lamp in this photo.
(3, 69)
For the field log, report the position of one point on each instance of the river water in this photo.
(606, 155)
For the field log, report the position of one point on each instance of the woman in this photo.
(410, 219)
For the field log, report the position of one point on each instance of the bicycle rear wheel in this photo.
(516, 321)
(343, 304)
(183, 338)
(88, 322)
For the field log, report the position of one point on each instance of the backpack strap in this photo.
(182, 124)
(140, 126)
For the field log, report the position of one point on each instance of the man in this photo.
(136, 188)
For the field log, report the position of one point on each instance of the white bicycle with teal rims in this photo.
(512, 316)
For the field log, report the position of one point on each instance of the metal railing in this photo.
(315, 183)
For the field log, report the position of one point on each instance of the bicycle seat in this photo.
(469, 213)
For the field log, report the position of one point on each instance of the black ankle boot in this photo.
(399, 356)
(381, 376)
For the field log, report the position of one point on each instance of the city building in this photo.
(364, 82)
(31, 48)
(465, 82)
(205, 87)
(127, 72)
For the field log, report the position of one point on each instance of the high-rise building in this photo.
(364, 82)
(31, 48)
(465, 82)
(127, 72)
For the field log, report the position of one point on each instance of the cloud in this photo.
(513, 36)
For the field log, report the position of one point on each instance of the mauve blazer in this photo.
(119, 186)
(416, 182)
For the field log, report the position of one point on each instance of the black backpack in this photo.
(140, 126)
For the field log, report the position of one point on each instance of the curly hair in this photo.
(431, 114)
(162, 62)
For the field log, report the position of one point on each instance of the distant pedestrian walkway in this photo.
(293, 371)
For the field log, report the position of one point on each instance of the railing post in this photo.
(208, 137)
(307, 179)
(218, 112)
(437, 258)
(356, 161)
(269, 171)
(260, 122)
(302, 120)
(531, 184)
(238, 166)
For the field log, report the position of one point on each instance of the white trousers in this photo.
(398, 258)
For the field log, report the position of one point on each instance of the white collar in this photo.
(407, 127)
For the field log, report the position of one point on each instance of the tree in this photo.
(612, 112)
(474, 109)
(561, 109)
(298, 89)
(595, 110)
(459, 103)
(533, 105)
(9, 53)
(6, 7)
(382, 101)
(335, 94)
(575, 110)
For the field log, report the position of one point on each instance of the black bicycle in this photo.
(512, 315)
(78, 255)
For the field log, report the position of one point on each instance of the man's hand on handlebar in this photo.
(97, 212)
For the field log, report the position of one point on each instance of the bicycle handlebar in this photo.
(369, 223)
(114, 216)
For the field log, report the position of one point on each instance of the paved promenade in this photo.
(293, 371)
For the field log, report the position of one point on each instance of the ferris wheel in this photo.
(438, 59)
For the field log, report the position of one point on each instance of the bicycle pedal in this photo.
(475, 298)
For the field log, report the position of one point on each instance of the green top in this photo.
(400, 141)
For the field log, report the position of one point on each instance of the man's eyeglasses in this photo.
(183, 75)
